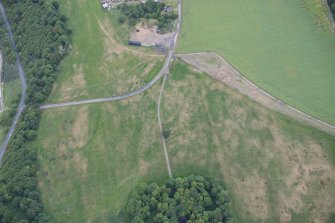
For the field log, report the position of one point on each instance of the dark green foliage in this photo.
(42, 41)
(331, 4)
(149, 10)
(40, 25)
(166, 132)
(190, 199)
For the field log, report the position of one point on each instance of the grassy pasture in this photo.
(99, 63)
(276, 169)
(93, 156)
(285, 47)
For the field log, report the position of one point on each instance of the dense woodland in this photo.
(9, 73)
(185, 200)
(148, 10)
(331, 4)
(42, 41)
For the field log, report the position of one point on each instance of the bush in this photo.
(190, 199)
(121, 19)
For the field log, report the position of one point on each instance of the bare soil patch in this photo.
(77, 80)
(79, 131)
(149, 36)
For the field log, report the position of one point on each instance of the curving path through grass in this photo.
(227, 74)
(164, 70)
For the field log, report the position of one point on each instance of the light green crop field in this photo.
(99, 64)
(286, 47)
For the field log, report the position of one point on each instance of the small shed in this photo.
(134, 43)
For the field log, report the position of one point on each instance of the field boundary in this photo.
(234, 79)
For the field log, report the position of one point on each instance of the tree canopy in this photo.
(148, 10)
(185, 200)
(42, 41)
(331, 4)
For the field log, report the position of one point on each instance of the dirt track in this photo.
(218, 68)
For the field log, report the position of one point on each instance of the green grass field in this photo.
(285, 47)
(93, 156)
(275, 169)
(99, 64)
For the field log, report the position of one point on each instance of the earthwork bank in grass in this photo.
(286, 47)
(99, 65)
(276, 169)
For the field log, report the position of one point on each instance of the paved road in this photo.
(162, 72)
(23, 85)
(1, 87)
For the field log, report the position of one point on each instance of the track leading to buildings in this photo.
(162, 72)
(23, 84)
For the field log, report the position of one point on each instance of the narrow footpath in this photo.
(161, 129)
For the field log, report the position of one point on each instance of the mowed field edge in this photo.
(279, 45)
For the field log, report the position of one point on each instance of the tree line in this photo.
(192, 199)
(148, 10)
(9, 73)
(42, 39)
(331, 4)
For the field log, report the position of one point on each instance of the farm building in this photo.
(134, 43)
